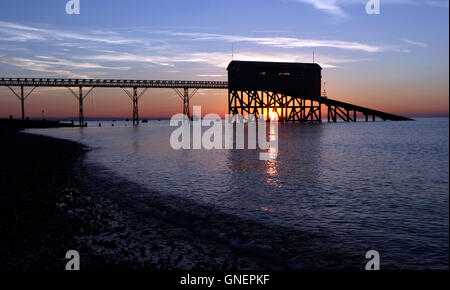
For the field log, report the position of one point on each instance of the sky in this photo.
(396, 61)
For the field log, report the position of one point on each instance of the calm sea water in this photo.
(334, 191)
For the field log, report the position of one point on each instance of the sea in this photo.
(332, 192)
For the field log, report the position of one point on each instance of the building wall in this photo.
(293, 79)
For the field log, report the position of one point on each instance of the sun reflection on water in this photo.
(272, 165)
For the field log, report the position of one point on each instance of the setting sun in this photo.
(273, 115)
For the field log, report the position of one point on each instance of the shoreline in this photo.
(35, 124)
(34, 235)
(46, 210)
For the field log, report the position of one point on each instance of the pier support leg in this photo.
(80, 102)
(186, 109)
(135, 96)
(186, 97)
(22, 97)
(80, 97)
(22, 103)
(135, 107)
(229, 102)
(320, 112)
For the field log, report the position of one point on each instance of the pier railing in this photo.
(112, 83)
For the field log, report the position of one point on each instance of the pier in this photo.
(292, 91)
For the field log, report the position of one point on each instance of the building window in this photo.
(284, 74)
(263, 73)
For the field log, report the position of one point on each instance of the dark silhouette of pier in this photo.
(291, 90)
(135, 89)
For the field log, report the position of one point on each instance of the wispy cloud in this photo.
(32, 65)
(416, 43)
(335, 7)
(49, 60)
(21, 33)
(220, 59)
(60, 67)
(329, 6)
(282, 42)
(73, 54)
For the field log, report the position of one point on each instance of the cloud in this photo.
(220, 59)
(328, 6)
(416, 43)
(79, 53)
(29, 64)
(22, 33)
(49, 60)
(335, 7)
(60, 67)
(282, 42)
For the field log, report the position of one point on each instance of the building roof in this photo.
(272, 65)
